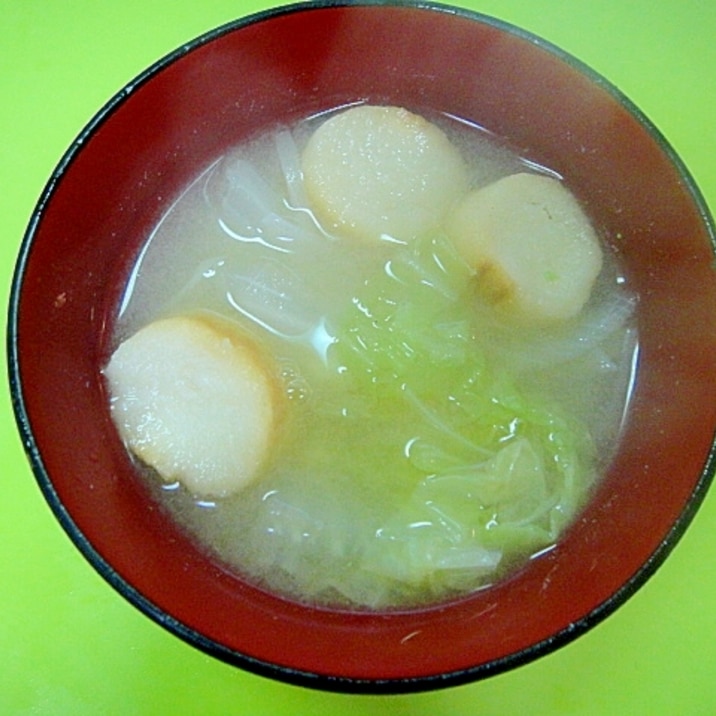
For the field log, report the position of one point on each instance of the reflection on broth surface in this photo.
(427, 432)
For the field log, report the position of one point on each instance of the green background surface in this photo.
(70, 645)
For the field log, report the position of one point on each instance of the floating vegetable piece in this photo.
(381, 173)
(488, 474)
(194, 402)
(534, 250)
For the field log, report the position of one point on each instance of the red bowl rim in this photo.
(189, 635)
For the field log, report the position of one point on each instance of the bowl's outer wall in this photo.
(173, 123)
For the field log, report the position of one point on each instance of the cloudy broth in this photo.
(404, 396)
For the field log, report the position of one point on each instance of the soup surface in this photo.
(430, 424)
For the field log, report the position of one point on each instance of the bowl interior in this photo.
(116, 182)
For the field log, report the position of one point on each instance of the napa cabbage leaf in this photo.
(492, 471)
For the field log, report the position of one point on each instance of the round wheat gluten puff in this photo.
(533, 248)
(381, 172)
(194, 400)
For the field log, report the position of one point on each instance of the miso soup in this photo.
(431, 423)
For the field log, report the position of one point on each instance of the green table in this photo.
(70, 645)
